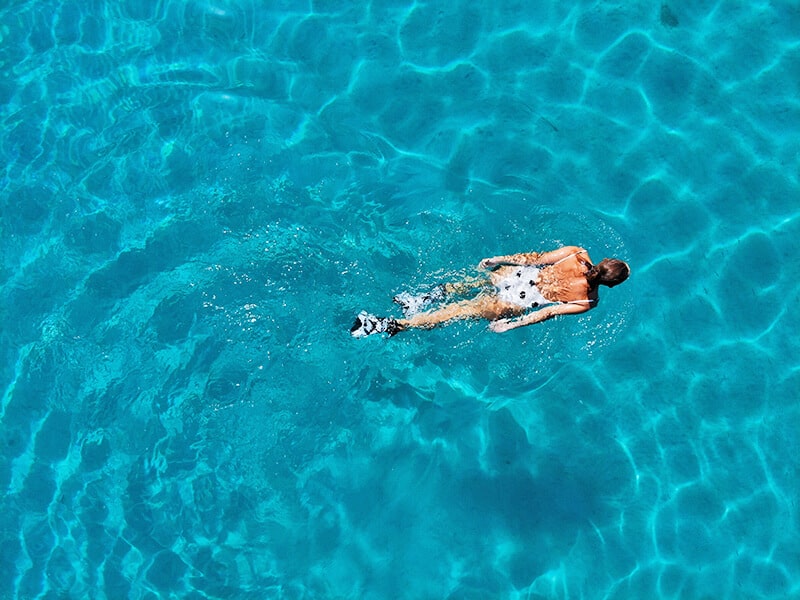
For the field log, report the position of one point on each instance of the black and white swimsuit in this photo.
(521, 287)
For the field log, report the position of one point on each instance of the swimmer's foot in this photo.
(412, 305)
(367, 324)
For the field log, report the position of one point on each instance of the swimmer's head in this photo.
(609, 272)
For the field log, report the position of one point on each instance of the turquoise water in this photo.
(198, 197)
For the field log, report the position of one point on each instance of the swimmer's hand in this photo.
(501, 325)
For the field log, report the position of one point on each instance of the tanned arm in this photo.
(548, 312)
(529, 258)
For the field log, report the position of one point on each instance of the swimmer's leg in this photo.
(466, 286)
(414, 304)
(482, 307)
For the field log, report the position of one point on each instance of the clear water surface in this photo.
(197, 197)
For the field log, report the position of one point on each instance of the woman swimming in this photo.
(519, 290)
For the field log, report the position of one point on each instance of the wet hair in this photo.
(609, 271)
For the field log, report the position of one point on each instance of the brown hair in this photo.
(608, 271)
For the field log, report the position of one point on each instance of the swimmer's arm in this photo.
(530, 258)
(525, 258)
(548, 312)
(548, 258)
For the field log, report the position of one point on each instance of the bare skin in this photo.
(562, 279)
